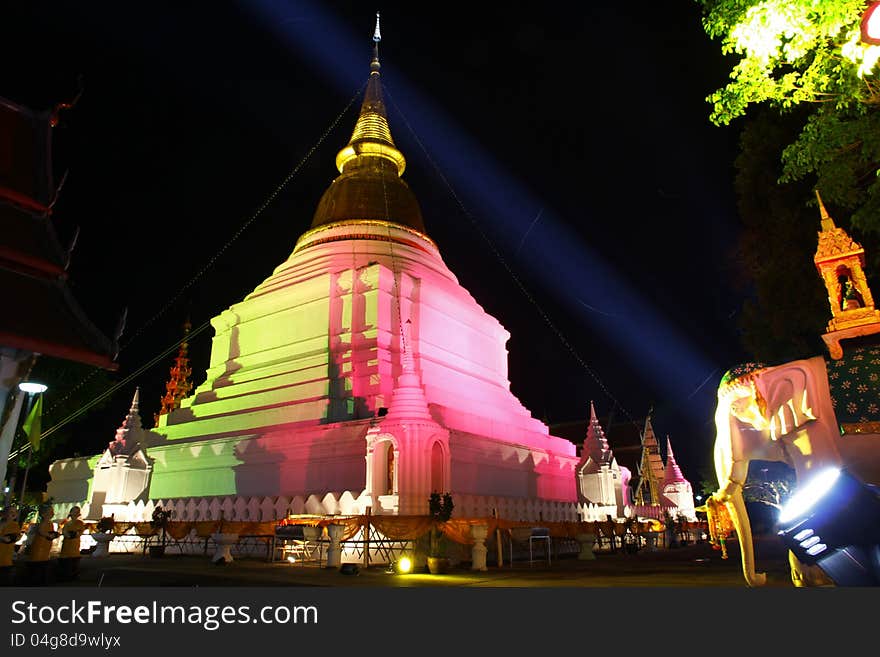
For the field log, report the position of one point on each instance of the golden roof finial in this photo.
(827, 221)
(377, 37)
(371, 136)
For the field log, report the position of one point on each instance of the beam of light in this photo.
(596, 310)
(555, 254)
(531, 225)
(704, 382)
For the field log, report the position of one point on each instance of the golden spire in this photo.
(179, 384)
(370, 187)
(827, 221)
(371, 136)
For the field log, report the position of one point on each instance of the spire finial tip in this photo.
(827, 221)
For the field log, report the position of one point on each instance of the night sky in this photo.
(599, 214)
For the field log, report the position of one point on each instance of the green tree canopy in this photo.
(785, 306)
(792, 53)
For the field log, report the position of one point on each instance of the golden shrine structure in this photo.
(840, 261)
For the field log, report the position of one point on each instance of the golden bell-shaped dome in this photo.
(370, 187)
(371, 190)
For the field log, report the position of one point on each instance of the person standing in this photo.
(40, 545)
(10, 532)
(68, 560)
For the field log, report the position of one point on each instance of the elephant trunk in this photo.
(736, 506)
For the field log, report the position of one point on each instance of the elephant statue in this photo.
(787, 413)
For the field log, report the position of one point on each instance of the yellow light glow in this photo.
(770, 28)
(404, 565)
(370, 148)
(291, 559)
(803, 443)
(858, 52)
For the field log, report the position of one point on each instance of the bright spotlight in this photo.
(834, 522)
(403, 566)
(803, 500)
(32, 387)
(291, 559)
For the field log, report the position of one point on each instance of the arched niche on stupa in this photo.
(382, 461)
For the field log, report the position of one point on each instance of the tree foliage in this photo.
(785, 308)
(792, 53)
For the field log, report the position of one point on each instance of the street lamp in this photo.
(870, 25)
(32, 388)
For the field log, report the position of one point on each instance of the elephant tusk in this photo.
(794, 415)
(783, 427)
(806, 411)
(796, 418)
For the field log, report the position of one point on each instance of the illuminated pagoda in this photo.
(651, 469)
(601, 480)
(122, 474)
(676, 491)
(361, 368)
(179, 384)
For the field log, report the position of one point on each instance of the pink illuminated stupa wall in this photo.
(360, 364)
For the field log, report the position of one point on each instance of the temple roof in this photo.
(370, 186)
(39, 312)
(129, 435)
(834, 242)
(623, 437)
(673, 472)
(595, 444)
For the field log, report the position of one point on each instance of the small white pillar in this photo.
(478, 552)
(224, 542)
(586, 542)
(334, 552)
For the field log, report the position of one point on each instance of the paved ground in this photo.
(691, 566)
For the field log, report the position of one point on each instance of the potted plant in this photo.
(440, 508)
(161, 518)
